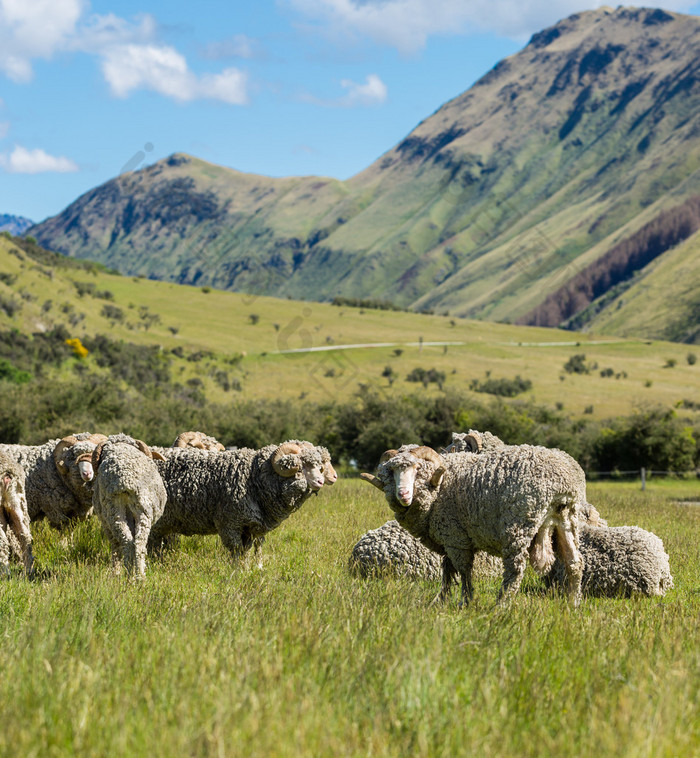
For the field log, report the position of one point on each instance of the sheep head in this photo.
(292, 458)
(197, 440)
(66, 454)
(399, 471)
(469, 442)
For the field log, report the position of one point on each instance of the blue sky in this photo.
(274, 87)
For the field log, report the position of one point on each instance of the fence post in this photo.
(644, 478)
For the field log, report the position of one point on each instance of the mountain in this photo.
(498, 200)
(14, 224)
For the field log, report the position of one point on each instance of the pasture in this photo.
(300, 658)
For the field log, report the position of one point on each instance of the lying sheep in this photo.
(128, 497)
(508, 503)
(391, 549)
(15, 535)
(239, 495)
(58, 477)
(619, 561)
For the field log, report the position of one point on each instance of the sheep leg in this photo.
(448, 574)
(567, 548)
(462, 562)
(4, 546)
(20, 527)
(231, 539)
(141, 531)
(514, 565)
(124, 538)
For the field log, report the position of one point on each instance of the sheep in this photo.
(15, 534)
(128, 497)
(58, 477)
(239, 495)
(198, 440)
(474, 441)
(392, 549)
(619, 561)
(507, 503)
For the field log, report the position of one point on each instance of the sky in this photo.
(89, 90)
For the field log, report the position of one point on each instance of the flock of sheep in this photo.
(480, 506)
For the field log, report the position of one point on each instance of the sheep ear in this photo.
(436, 478)
(372, 479)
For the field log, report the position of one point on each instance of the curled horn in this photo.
(143, 447)
(372, 479)
(286, 448)
(428, 454)
(473, 441)
(386, 455)
(97, 438)
(63, 445)
(185, 439)
(97, 456)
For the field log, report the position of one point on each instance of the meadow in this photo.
(299, 658)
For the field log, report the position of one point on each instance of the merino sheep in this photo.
(197, 440)
(128, 497)
(15, 535)
(619, 561)
(507, 503)
(58, 477)
(393, 550)
(239, 495)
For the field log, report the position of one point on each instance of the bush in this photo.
(427, 377)
(501, 387)
(577, 364)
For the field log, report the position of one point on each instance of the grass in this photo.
(299, 658)
(217, 321)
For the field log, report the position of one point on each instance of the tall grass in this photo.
(204, 658)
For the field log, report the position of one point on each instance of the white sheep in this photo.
(391, 549)
(239, 495)
(507, 503)
(128, 497)
(15, 534)
(58, 477)
(619, 561)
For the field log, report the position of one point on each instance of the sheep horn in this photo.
(143, 447)
(185, 439)
(97, 438)
(372, 479)
(286, 448)
(64, 444)
(97, 456)
(428, 454)
(386, 455)
(473, 441)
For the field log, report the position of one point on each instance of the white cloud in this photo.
(131, 58)
(407, 24)
(372, 92)
(37, 161)
(162, 69)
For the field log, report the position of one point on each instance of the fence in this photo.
(642, 473)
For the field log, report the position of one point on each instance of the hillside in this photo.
(14, 224)
(231, 346)
(488, 206)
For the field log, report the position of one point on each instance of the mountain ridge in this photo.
(487, 207)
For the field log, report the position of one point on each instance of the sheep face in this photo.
(292, 459)
(407, 470)
(87, 473)
(12, 492)
(74, 462)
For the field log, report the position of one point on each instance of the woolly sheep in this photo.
(198, 440)
(58, 477)
(128, 497)
(507, 503)
(392, 549)
(619, 561)
(239, 495)
(15, 535)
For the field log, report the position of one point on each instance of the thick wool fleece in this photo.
(235, 494)
(49, 494)
(15, 535)
(128, 497)
(391, 549)
(620, 561)
(496, 502)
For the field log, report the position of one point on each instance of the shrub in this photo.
(501, 387)
(691, 358)
(577, 364)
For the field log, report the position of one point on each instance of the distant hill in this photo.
(14, 224)
(494, 203)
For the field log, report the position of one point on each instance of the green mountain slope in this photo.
(488, 206)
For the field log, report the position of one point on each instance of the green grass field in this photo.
(299, 658)
(199, 319)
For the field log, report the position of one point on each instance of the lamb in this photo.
(392, 549)
(58, 477)
(620, 561)
(508, 503)
(128, 497)
(239, 495)
(15, 535)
